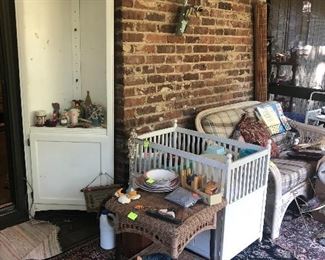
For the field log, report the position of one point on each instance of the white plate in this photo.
(140, 182)
(157, 190)
(161, 174)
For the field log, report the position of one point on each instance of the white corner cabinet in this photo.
(65, 49)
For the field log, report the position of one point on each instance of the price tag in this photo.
(146, 143)
(150, 181)
(133, 216)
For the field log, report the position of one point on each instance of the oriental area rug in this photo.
(30, 240)
(300, 237)
(297, 241)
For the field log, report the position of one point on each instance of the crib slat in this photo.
(188, 143)
(241, 181)
(262, 170)
(238, 180)
(198, 140)
(252, 177)
(174, 139)
(136, 162)
(176, 163)
(248, 177)
(179, 141)
(233, 185)
(183, 141)
(165, 160)
(244, 180)
(193, 144)
(170, 144)
(149, 166)
(256, 175)
(265, 171)
(140, 154)
(257, 184)
(181, 164)
(203, 142)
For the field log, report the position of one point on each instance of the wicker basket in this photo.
(95, 195)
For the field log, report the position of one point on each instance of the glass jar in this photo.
(40, 116)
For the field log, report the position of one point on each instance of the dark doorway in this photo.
(5, 192)
(13, 198)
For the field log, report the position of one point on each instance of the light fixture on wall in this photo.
(306, 7)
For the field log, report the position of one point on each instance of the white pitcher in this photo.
(107, 233)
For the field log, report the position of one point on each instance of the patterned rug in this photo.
(89, 250)
(299, 237)
(294, 243)
(92, 251)
(29, 240)
(266, 250)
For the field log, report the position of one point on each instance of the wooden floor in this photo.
(75, 226)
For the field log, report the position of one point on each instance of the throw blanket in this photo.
(30, 240)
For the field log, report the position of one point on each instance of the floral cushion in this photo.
(222, 123)
(255, 132)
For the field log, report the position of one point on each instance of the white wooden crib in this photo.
(244, 181)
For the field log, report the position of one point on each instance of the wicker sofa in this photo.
(288, 179)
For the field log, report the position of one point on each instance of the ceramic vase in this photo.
(73, 116)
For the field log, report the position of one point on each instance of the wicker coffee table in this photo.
(172, 237)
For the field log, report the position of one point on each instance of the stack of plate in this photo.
(158, 180)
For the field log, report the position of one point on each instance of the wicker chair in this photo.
(281, 190)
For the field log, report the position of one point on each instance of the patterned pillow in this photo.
(222, 123)
(255, 132)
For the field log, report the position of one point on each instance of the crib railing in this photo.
(177, 149)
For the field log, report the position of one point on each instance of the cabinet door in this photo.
(62, 166)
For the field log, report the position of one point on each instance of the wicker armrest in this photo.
(308, 133)
(276, 175)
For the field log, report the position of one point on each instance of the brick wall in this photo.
(160, 77)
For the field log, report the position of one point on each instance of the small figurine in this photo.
(56, 112)
(79, 104)
(40, 116)
(88, 100)
(64, 120)
(126, 198)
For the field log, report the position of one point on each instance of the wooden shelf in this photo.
(290, 90)
(285, 63)
(66, 130)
